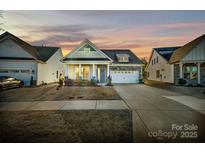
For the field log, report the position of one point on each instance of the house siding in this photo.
(166, 70)
(196, 54)
(48, 72)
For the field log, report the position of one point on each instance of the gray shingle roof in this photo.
(45, 52)
(133, 59)
(166, 52)
(40, 53)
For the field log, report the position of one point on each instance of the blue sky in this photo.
(139, 31)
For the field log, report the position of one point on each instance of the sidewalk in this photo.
(64, 105)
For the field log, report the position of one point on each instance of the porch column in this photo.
(198, 73)
(108, 69)
(79, 71)
(181, 70)
(66, 71)
(94, 71)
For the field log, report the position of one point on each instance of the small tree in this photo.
(144, 60)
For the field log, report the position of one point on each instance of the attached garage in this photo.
(23, 70)
(126, 66)
(31, 64)
(125, 76)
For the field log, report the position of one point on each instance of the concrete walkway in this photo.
(192, 102)
(152, 112)
(64, 105)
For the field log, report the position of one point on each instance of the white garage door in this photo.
(125, 76)
(22, 74)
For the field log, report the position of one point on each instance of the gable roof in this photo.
(40, 54)
(86, 41)
(183, 51)
(166, 52)
(112, 53)
(46, 52)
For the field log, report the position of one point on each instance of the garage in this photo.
(22, 74)
(125, 76)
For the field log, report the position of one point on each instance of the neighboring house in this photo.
(87, 62)
(189, 62)
(186, 62)
(31, 64)
(158, 67)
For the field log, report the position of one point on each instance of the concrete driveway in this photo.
(164, 116)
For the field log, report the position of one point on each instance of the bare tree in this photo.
(1, 23)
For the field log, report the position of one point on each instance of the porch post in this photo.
(198, 73)
(66, 71)
(181, 70)
(108, 69)
(94, 71)
(79, 71)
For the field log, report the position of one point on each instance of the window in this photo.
(86, 50)
(123, 57)
(147, 74)
(13, 71)
(190, 72)
(152, 61)
(56, 74)
(25, 71)
(157, 73)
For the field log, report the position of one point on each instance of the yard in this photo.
(50, 93)
(66, 126)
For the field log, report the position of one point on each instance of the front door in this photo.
(102, 74)
(85, 72)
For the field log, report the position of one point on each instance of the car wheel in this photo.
(21, 84)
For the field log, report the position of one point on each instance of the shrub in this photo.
(93, 81)
(109, 81)
(69, 82)
(182, 81)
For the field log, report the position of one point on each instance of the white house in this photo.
(87, 62)
(31, 64)
(158, 67)
(186, 62)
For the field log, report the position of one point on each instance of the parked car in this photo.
(10, 82)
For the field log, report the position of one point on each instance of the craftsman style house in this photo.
(86, 62)
(174, 63)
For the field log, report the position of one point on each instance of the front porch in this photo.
(86, 72)
(192, 72)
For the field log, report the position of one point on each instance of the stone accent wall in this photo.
(176, 73)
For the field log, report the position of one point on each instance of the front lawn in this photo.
(50, 93)
(66, 126)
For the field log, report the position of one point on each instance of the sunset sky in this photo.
(139, 31)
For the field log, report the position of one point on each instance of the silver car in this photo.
(7, 82)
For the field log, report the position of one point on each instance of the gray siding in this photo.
(197, 53)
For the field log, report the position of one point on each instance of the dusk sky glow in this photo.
(139, 31)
